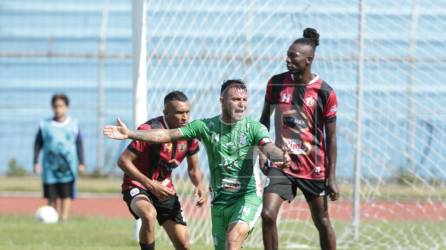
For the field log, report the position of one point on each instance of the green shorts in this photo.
(247, 209)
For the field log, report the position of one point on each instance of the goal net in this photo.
(194, 46)
(48, 46)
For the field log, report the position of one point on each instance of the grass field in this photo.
(23, 232)
(34, 184)
(373, 235)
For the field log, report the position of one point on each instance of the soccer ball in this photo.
(47, 215)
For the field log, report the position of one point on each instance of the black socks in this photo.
(150, 246)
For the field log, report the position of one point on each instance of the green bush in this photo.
(15, 169)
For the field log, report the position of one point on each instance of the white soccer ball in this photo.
(47, 215)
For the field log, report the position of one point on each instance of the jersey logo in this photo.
(167, 147)
(229, 146)
(243, 139)
(230, 184)
(297, 147)
(215, 138)
(134, 192)
(181, 147)
(285, 97)
(229, 165)
(309, 101)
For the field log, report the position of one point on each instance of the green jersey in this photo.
(230, 151)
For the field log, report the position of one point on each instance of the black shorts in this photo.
(286, 186)
(169, 209)
(58, 190)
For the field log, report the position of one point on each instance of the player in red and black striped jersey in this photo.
(305, 109)
(147, 186)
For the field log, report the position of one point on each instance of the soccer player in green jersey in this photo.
(230, 140)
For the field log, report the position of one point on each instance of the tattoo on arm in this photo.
(156, 135)
(175, 134)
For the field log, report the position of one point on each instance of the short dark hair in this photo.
(310, 37)
(237, 83)
(175, 95)
(60, 96)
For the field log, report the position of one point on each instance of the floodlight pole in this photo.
(359, 111)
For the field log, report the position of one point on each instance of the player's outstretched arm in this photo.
(121, 132)
(276, 155)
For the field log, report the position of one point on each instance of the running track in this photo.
(341, 210)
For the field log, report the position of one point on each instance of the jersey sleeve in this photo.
(38, 143)
(193, 130)
(331, 107)
(194, 147)
(138, 147)
(259, 134)
(80, 147)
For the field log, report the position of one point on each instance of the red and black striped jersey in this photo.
(300, 114)
(155, 160)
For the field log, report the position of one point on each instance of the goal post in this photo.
(139, 61)
(139, 65)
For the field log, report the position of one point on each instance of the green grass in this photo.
(23, 232)
(34, 184)
(373, 235)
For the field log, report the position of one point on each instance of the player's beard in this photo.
(297, 73)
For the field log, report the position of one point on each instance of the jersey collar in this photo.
(315, 79)
(228, 123)
(61, 124)
(165, 122)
